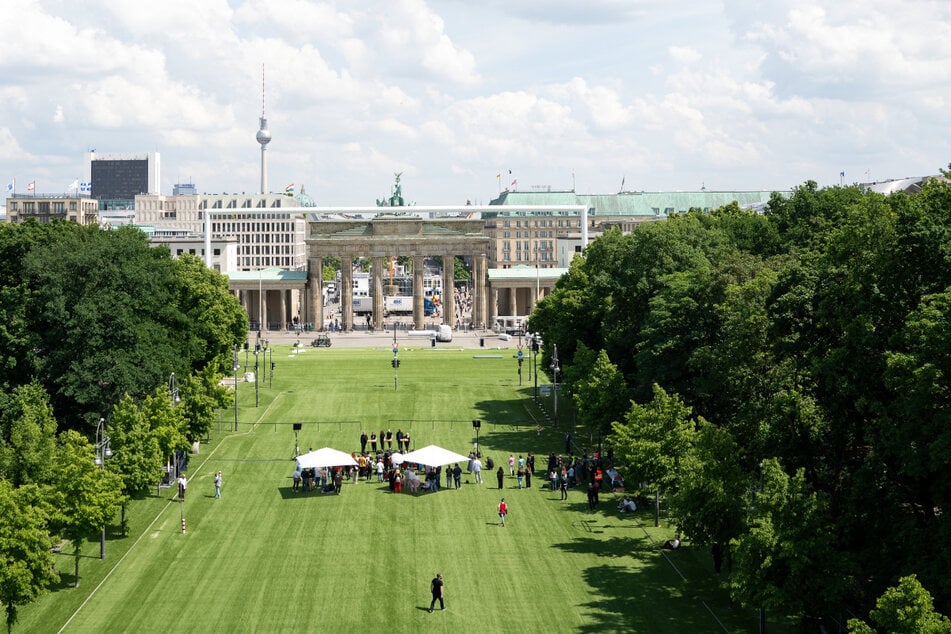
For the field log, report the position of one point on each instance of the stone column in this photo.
(513, 302)
(315, 292)
(448, 290)
(282, 323)
(376, 270)
(479, 273)
(419, 292)
(493, 296)
(346, 291)
(532, 300)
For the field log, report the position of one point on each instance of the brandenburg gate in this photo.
(396, 234)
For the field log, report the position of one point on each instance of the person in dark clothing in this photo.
(500, 474)
(373, 442)
(528, 477)
(568, 443)
(457, 475)
(363, 442)
(448, 477)
(436, 587)
(592, 496)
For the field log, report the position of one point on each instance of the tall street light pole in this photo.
(236, 388)
(102, 452)
(555, 369)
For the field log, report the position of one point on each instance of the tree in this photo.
(652, 441)
(216, 321)
(202, 397)
(85, 496)
(712, 480)
(167, 423)
(790, 539)
(136, 455)
(105, 310)
(27, 435)
(25, 549)
(600, 393)
(904, 609)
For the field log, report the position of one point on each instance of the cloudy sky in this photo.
(735, 94)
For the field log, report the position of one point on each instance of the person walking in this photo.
(503, 511)
(563, 484)
(500, 474)
(511, 464)
(218, 485)
(436, 588)
(520, 476)
(182, 485)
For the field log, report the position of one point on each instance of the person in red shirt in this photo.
(503, 511)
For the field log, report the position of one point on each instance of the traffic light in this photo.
(395, 363)
(534, 344)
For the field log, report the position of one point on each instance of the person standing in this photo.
(373, 442)
(448, 477)
(503, 511)
(182, 485)
(218, 485)
(520, 475)
(568, 443)
(511, 464)
(436, 588)
(389, 439)
(528, 476)
(363, 442)
(457, 476)
(500, 475)
(563, 484)
(477, 470)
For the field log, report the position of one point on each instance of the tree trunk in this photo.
(657, 507)
(76, 557)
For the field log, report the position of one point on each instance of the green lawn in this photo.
(264, 558)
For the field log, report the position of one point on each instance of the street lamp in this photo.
(264, 365)
(257, 350)
(555, 370)
(535, 362)
(173, 390)
(236, 366)
(102, 452)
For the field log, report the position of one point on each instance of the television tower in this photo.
(263, 137)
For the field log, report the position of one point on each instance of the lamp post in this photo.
(102, 452)
(535, 362)
(173, 389)
(257, 350)
(555, 370)
(236, 388)
(264, 350)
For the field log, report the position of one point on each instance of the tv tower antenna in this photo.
(263, 137)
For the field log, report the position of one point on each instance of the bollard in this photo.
(183, 525)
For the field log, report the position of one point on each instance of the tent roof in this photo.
(325, 457)
(434, 456)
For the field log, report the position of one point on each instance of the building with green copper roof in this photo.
(549, 239)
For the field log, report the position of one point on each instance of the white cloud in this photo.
(738, 94)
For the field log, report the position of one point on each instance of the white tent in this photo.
(325, 457)
(396, 458)
(433, 456)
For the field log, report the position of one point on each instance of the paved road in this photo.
(363, 339)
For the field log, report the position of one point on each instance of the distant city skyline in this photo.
(468, 99)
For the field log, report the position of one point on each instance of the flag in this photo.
(11, 186)
(31, 186)
(842, 174)
(289, 189)
(74, 186)
(622, 183)
(85, 188)
(514, 183)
